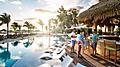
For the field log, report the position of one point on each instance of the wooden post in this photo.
(95, 25)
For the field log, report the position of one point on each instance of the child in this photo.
(85, 43)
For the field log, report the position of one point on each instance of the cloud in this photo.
(16, 2)
(44, 10)
(55, 4)
(92, 2)
(19, 20)
(72, 1)
(29, 18)
(86, 4)
(2, 0)
(42, 2)
(20, 8)
(79, 7)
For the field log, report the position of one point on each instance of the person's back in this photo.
(94, 41)
(79, 37)
(94, 37)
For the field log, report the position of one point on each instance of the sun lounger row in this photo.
(57, 54)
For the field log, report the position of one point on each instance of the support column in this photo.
(94, 25)
(107, 28)
(111, 28)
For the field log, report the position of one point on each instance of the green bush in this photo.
(117, 32)
(100, 32)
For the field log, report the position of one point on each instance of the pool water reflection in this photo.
(15, 50)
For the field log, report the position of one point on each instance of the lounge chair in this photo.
(67, 60)
(79, 65)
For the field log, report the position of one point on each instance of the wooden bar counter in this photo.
(101, 49)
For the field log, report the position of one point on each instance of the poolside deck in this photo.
(89, 60)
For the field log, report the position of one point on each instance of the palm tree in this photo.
(74, 12)
(27, 24)
(53, 21)
(62, 17)
(5, 19)
(40, 22)
(19, 27)
(31, 27)
(49, 24)
(15, 26)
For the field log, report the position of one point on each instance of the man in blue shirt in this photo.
(94, 41)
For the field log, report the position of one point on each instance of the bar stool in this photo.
(111, 45)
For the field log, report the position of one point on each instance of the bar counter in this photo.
(101, 49)
(110, 37)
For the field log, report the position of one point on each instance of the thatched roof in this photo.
(100, 11)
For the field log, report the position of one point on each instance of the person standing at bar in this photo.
(94, 42)
(73, 36)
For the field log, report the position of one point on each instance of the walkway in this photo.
(89, 60)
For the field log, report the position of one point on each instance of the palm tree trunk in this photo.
(42, 28)
(7, 30)
(7, 36)
(7, 46)
(49, 35)
(28, 31)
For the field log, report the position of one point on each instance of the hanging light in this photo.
(115, 21)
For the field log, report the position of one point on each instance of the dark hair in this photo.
(95, 31)
(78, 31)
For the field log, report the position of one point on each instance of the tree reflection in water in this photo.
(15, 43)
(28, 43)
(4, 54)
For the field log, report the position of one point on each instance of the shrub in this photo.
(100, 32)
(117, 32)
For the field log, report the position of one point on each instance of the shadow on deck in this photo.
(90, 61)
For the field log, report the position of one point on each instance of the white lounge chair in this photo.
(57, 56)
(79, 65)
(45, 65)
(67, 60)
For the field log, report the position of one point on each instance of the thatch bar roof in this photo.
(101, 11)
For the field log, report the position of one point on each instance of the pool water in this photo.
(12, 51)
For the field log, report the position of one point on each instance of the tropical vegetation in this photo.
(53, 24)
(40, 22)
(5, 19)
(67, 18)
(29, 26)
(14, 26)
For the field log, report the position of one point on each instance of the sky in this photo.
(32, 10)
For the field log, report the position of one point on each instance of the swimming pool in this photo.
(29, 47)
